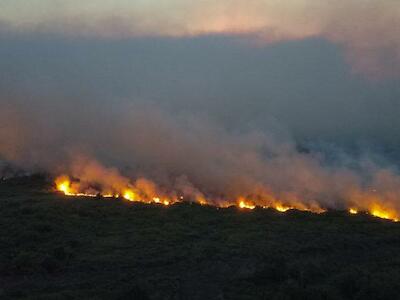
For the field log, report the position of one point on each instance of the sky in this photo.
(319, 70)
(367, 30)
(142, 84)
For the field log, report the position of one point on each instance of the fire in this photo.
(68, 188)
(353, 211)
(380, 212)
(110, 196)
(63, 185)
(164, 202)
(282, 208)
(147, 192)
(129, 195)
(243, 204)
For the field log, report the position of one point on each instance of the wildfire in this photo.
(148, 194)
(243, 204)
(380, 212)
(129, 195)
(353, 211)
(164, 202)
(63, 185)
(282, 208)
(110, 196)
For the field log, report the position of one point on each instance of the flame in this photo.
(164, 202)
(380, 214)
(63, 185)
(68, 188)
(147, 192)
(110, 196)
(282, 208)
(379, 211)
(129, 195)
(243, 204)
(353, 211)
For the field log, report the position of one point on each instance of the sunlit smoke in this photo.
(365, 29)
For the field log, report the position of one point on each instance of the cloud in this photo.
(367, 30)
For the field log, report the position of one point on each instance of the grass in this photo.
(56, 247)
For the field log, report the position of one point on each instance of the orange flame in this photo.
(243, 204)
(129, 195)
(282, 208)
(379, 211)
(146, 192)
(63, 185)
(353, 211)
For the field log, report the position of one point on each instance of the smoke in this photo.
(156, 152)
(81, 107)
(367, 30)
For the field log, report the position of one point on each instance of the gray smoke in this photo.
(216, 123)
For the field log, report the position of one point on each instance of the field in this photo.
(55, 247)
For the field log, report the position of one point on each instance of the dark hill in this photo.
(54, 247)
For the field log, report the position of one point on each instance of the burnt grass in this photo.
(56, 247)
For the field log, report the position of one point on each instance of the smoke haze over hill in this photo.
(209, 112)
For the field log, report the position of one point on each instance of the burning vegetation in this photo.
(146, 191)
(152, 156)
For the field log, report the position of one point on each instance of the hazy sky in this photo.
(317, 71)
(367, 30)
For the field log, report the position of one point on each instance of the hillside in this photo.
(55, 247)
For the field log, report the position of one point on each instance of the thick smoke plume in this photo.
(152, 153)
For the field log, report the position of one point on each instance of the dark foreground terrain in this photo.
(54, 247)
